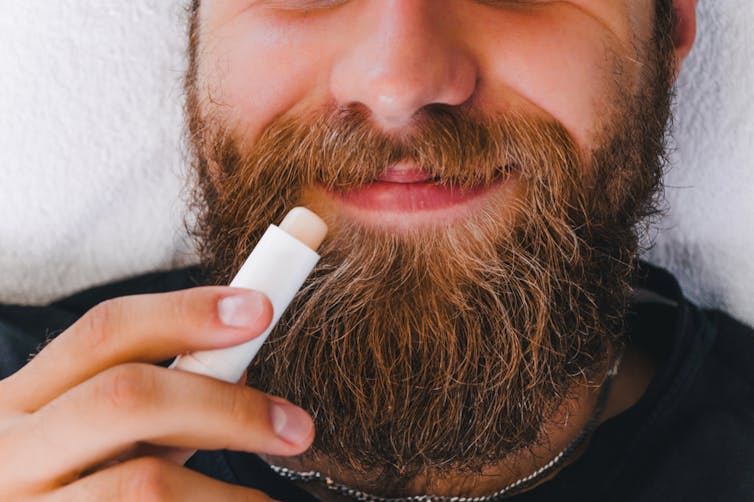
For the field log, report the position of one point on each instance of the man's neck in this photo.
(633, 377)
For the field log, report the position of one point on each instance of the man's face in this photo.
(482, 165)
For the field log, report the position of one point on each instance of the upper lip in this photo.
(405, 172)
(409, 172)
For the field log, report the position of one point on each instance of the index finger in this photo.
(139, 328)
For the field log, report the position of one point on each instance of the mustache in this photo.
(341, 149)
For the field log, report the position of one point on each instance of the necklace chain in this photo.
(509, 490)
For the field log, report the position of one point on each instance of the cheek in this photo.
(557, 62)
(254, 68)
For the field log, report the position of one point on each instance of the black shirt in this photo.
(689, 438)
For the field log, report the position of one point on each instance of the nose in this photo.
(408, 57)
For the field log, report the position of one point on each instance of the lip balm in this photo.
(278, 266)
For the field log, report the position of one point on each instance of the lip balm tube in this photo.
(278, 266)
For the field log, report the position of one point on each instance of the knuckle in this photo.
(183, 307)
(244, 406)
(147, 481)
(101, 322)
(127, 387)
(238, 406)
(180, 305)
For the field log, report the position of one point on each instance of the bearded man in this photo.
(479, 326)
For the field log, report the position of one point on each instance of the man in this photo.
(479, 325)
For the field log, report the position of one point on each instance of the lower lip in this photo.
(386, 196)
(406, 206)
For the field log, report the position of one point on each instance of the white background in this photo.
(91, 161)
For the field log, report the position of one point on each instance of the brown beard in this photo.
(448, 348)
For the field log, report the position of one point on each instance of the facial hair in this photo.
(447, 348)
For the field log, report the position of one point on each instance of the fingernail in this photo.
(290, 422)
(241, 311)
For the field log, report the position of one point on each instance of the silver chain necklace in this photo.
(509, 490)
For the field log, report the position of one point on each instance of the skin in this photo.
(553, 59)
(397, 56)
(95, 376)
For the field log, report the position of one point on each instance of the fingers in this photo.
(151, 479)
(135, 403)
(145, 328)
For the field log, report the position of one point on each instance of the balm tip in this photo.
(306, 226)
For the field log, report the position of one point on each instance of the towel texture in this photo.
(707, 237)
(92, 164)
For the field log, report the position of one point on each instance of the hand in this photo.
(90, 419)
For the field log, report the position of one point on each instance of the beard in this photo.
(447, 348)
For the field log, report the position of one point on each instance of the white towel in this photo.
(707, 238)
(92, 164)
(90, 150)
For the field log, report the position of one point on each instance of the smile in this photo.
(405, 195)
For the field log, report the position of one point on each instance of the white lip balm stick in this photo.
(278, 266)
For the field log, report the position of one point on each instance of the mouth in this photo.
(405, 193)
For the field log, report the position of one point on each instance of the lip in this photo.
(407, 197)
(404, 173)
